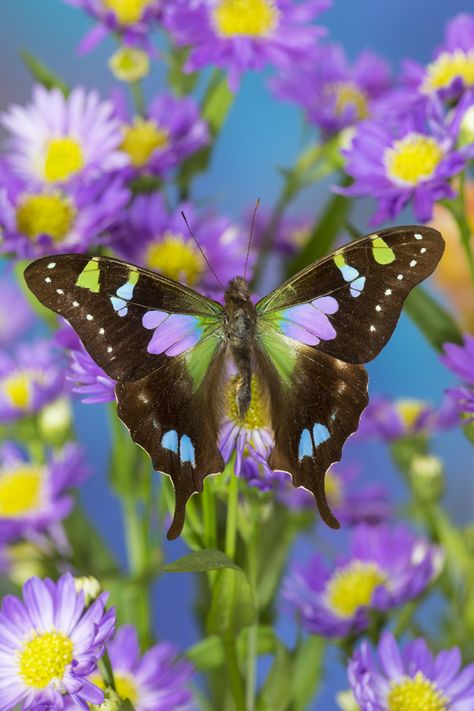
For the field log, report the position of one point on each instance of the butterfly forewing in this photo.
(348, 304)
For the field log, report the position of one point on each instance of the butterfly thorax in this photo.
(239, 329)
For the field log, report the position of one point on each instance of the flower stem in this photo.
(458, 209)
(209, 515)
(235, 677)
(138, 97)
(232, 504)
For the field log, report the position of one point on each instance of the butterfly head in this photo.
(238, 290)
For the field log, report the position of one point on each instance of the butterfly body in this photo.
(175, 353)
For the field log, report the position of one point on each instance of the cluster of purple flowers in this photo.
(460, 360)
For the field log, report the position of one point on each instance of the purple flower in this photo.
(153, 237)
(57, 139)
(156, 681)
(460, 360)
(29, 380)
(33, 494)
(238, 36)
(288, 236)
(334, 93)
(50, 645)
(89, 380)
(38, 222)
(15, 313)
(412, 678)
(170, 132)
(385, 568)
(407, 160)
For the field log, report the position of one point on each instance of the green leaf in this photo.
(434, 322)
(209, 653)
(307, 671)
(43, 74)
(200, 562)
(276, 693)
(232, 606)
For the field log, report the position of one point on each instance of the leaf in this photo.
(232, 605)
(200, 562)
(209, 653)
(276, 693)
(43, 74)
(307, 671)
(434, 322)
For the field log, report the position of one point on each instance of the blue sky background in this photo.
(261, 134)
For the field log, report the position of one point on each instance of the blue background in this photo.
(260, 135)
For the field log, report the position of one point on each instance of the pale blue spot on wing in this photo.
(186, 450)
(320, 434)
(305, 448)
(126, 291)
(119, 305)
(348, 273)
(357, 286)
(170, 441)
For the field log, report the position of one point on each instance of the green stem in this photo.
(458, 209)
(209, 515)
(232, 506)
(235, 677)
(107, 671)
(138, 97)
(251, 670)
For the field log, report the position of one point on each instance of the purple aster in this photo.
(289, 235)
(15, 313)
(391, 419)
(460, 360)
(56, 140)
(408, 160)
(385, 568)
(132, 19)
(50, 645)
(334, 93)
(240, 36)
(156, 681)
(33, 494)
(42, 221)
(29, 380)
(170, 132)
(152, 236)
(88, 379)
(410, 678)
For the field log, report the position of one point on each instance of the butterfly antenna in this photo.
(201, 249)
(250, 238)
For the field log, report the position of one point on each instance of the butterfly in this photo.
(171, 351)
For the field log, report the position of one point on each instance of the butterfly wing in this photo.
(348, 304)
(162, 342)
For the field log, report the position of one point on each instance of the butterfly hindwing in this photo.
(348, 304)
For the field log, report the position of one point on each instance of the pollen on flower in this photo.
(64, 157)
(18, 386)
(126, 687)
(141, 139)
(127, 12)
(448, 67)
(176, 258)
(47, 214)
(413, 159)
(20, 490)
(44, 659)
(348, 95)
(409, 411)
(353, 586)
(418, 692)
(256, 414)
(251, 18)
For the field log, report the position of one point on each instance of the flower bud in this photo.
(55, 421)
(427, 478)
(466, 128)
(90, 586)
(129, 64)
(24, 561)
(111, 702)
(345, 700)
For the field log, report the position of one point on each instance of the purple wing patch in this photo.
(173, 333)
(309, 323)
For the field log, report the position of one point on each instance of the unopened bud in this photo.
(129, 64)
(111, 702)
(24, 561)
(55, 421)
(466, 128)
(427, 478)
(90, 586)
(346, 701)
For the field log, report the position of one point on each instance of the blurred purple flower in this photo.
(407, 160)
(412, 678)
(51, 644)
(89, 380)
(15, 313)
(39, 222)
(460, 360)
(29, 380)
(132, 20)
(57, 140)
(169, 133)
(33, 494)
(238, 37)
(289, 235)
(385, 568)
(153, 237)
(156, 681)
(333, 93)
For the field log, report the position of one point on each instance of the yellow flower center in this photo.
(250, 18)
(48, 214)
(20, 490)
(64, 157)
(141, 139)
(409, 411)
(353, 586)
(348, 94)
(447, 67)
(126, 687)
(418, 692)
(44, 659)
(129, 64)
(413, 159)
(18, 387)
(176, 258)
(127, 12)
(333, 488)
(256, 417)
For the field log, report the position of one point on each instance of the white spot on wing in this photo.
(400, 277)
(101, 331)
(372, 328)
(418, 236)
(89, 317)
(413, 263)
(59, 291)
(109, 349)
(388, 292)
(75, 303)
(422, 250)
(378, 307)
(51, 265)
(48, 280)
